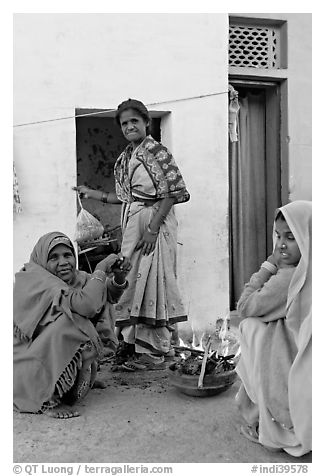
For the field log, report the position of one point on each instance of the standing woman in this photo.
(149, 184)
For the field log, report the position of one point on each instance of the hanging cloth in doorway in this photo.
(233, 110)
(247, 193)
(16, 198)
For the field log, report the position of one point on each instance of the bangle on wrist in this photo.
(99, 275)
(269, 266)
(104, 197)
(122, 286)
(152, 232)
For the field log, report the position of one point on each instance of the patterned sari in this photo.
(152, 303)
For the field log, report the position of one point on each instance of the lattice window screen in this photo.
(254, 46)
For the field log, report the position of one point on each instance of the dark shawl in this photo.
(48, 335)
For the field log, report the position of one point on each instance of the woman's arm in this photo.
(106, 197)
(164, 208)
(89, 300)
(148, 240)
(266, 294)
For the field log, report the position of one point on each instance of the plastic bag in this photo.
(88, 228)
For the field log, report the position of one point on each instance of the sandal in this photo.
(250, 432)
(143, 363)
(132, 366)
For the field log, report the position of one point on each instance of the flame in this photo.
(181, 342)
(224, 328)
(222, 335)
(225, 350)
(197, 343)
(200, 346)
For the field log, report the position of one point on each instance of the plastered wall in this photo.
(63, 62)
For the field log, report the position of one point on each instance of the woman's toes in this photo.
(61, 413)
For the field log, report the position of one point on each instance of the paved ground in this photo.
(140, 418)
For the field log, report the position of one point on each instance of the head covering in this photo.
(49, 333)
(298, 216)
(132, 104)
(45, 244)
(36, 289)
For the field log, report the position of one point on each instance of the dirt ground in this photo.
(140, 418)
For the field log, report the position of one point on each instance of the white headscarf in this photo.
(298, 216)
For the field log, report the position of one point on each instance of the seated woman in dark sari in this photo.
(56, 308)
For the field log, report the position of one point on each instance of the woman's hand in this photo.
(147, 242)
(275, 258)
(107, 263)
(120, 269)
(114, 264)
(272, 259)
(84, 192)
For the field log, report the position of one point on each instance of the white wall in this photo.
(300, 105)
(68, 61)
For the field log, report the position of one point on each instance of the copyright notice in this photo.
(32, 469)
(35, 469)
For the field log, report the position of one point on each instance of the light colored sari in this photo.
(152, 304)
(276, 352)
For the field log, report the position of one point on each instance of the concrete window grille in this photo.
(255, 46)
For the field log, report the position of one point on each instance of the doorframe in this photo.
(276, 116)
(282, 87)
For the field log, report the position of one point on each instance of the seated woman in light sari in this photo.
(149, 184)
(276, 346)
(56, 308)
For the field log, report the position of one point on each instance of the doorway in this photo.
(254, 181)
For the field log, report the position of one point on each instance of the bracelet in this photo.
(98, 279)
(270, 267)
(122, 286)
(152, 232)
(104, 197)
(99, 275)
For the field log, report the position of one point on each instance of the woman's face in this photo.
(62, 263)
(133, 126)
(286, 244)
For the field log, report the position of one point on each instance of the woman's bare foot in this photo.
(61, 412)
